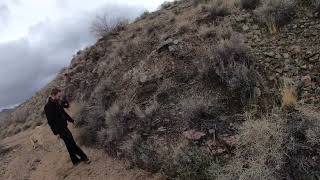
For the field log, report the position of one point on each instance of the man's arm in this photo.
(66, 115)
(50, 114)
(65, 102)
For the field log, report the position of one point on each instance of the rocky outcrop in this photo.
(291, 53)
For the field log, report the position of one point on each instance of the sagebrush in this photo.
(276, 13)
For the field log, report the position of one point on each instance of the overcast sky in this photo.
(39, 37)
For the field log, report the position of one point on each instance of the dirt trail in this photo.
(50, 161)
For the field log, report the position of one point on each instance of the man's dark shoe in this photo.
(76, 163)
(87, 161)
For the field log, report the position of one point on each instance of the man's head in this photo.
(56, 94)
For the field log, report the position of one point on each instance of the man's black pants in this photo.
(72, 147)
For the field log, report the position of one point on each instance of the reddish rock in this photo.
(193, 134)
(218, 151)
(231, 140)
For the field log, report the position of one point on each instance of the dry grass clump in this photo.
(276, 13)
(249, 4)
(103, 25)
(289, 97)
(289, 94)
(260, 151)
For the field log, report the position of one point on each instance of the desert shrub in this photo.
(276, 13)
(302, 158)
(87, 136)
(165, 5)
(195, 164)
(311, 3)
(316, 4)
(232, 64)
(249, 4)
(89, 121)
(201, 112)
(119, 121)
(3, 150)
(216, 8)
(260, 149)
(115, 124)
(196, 3)
(144, 156)
(20, 116)
(26, 126)
(17, 130)
(143, 15)
(103, 25)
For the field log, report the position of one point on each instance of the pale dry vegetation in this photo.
(105, 24)
(260, 150)
(289, 94)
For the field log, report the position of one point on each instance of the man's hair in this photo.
(55, 91)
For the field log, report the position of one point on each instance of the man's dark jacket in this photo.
(57, 117)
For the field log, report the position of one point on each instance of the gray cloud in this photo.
(4, 14)
(28, 64)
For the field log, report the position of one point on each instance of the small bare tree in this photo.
(104, 24)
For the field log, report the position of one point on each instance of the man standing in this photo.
(58, 121)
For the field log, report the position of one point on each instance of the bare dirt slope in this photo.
(50, 161)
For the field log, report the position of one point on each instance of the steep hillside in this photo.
(201, 90)
(5, 113)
